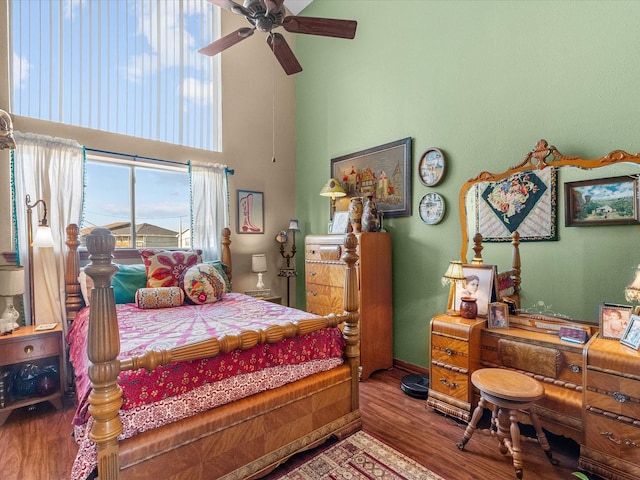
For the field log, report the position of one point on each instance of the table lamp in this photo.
(11, 284)
(452, 276)
(259, 265)
(632, 292)
(334, 190)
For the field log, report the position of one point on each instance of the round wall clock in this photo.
(431, 167)
(431, 208)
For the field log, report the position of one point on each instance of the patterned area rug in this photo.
(359, 457)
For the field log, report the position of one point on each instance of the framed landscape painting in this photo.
(605, 201)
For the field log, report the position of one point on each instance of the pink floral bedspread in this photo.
(178, 390)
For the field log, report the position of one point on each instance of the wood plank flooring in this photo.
(37, 445)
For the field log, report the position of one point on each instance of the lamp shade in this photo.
(43, 237)
(632, 292)
(454, 272)
(293, 225)
(6, 132)
(333, 189)
(259, 263)
(11, 280)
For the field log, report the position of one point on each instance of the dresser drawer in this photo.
(613, 393)
(323, 252)
(450, 383)
(324, 274)
(449, 350)
(324, 304)
(31, 348)
(613, 437)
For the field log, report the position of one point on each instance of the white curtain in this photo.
(209, 207)
(51, 169)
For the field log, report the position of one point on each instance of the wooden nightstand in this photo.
(28, 346)
(273, 299)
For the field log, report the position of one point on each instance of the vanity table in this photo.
(592, 389)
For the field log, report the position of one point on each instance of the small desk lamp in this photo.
(452, 276)
(334, 190)
(43, 239)
(259, 265)
(11, 284)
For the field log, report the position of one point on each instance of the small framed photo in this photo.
(479, 283)
(613, 320)
(631, 335)
(340, 222)
(431, 167)
(250, 212)
(498, 315)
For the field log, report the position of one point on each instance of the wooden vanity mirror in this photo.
(587, 263)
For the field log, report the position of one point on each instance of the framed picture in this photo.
(525, 201)
(384, 170)
(431, 167)
(479, 283)
(431, 208)
(614, 320)
(340, 222)
(250, 212)
(631, 335)
(498, 315)
(605, 201)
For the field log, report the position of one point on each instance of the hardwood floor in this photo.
(37, 445)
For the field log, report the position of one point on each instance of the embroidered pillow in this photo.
(222, 270)
(164, 267)
(159, 297)
(202, 283)
(86, 284)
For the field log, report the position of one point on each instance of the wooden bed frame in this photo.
(242, 440)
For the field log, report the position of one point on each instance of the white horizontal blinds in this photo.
(127, 66)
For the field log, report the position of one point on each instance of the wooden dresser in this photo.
(324, 277)
(611, 446)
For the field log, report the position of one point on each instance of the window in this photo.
(129, 67)
(144, 205)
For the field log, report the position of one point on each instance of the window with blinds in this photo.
(128, 66)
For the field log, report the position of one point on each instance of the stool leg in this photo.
(542, 438)
(516, 452)
(477, 414)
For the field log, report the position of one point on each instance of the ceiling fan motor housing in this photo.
(262, 20)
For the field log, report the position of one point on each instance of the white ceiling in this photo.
(296, 6)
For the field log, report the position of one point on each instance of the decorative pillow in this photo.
(202, 283)
(127, 280)
(222, 270)
(164, 267)
(159, 297)
(86, 284)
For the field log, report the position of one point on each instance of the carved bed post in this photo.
(105, 399)
(515, 263)
(225, 256)
(351, 305)
(72, 287)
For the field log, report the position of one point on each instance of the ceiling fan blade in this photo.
(284, 54)
(327, 27)
(226, 41)
(231, 6)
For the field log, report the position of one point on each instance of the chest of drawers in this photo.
(324, 283)
(611, 446)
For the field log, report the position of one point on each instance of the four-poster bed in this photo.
(245, 438)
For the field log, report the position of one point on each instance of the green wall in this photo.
(483, 81)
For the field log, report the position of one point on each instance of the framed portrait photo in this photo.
(340, 222)
(479, 283)
(613, 320)
(498, 315)
(631, 335)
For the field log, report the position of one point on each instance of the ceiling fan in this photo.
(266, 15)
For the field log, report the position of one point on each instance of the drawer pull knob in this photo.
(447, 384)
(313, 274)
(28, 349)
(619, 397)
(575, 368)
(627, 441)
(313, 294)
(448, 351)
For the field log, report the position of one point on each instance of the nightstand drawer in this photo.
(30, 349)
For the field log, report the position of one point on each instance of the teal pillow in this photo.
(222, 270)
(127, 280)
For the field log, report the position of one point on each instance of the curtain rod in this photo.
(230, 171)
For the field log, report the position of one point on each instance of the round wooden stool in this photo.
(509, 392)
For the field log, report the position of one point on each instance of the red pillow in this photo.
(164, 267)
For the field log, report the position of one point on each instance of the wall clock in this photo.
(431, 208)
(431, 167)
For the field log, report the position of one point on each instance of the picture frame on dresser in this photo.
(479, 283)
(340, 222)
(631, 335)
(498, 316)
(613, 320)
